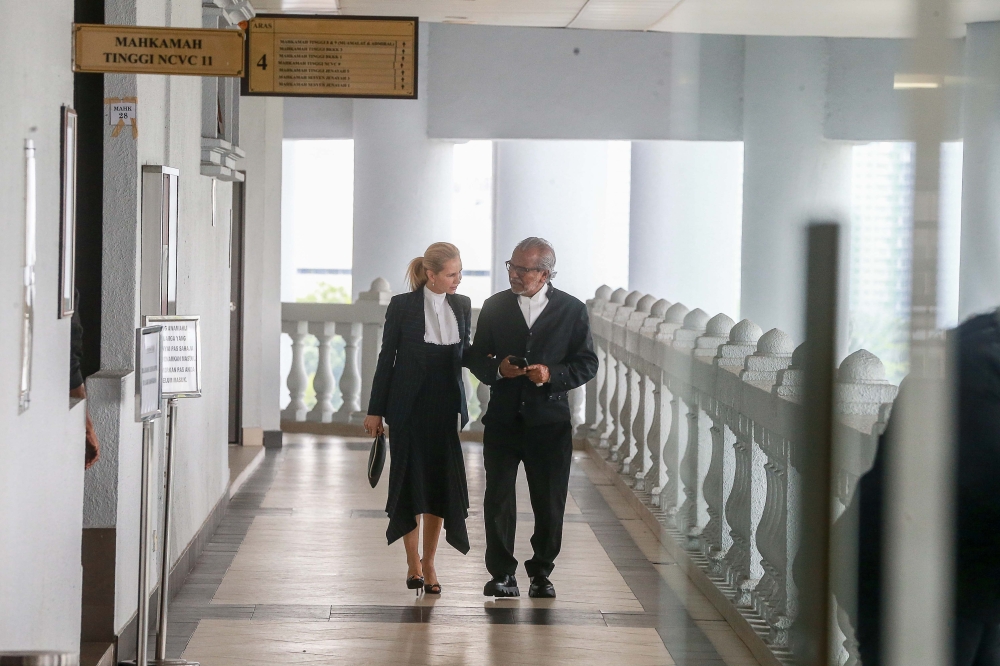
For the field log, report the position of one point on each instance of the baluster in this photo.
(592, 415)
(771, 539)
(634, 418)
(632, 466)
(617, 404)
(626, 441)
(577, 398)
(600, 390)
(606, 427)
(644, 444)
(671, 458)
(323, 382)
(483, 394)
(469, 404)
(687, 514)
(297, 380)
(654, 443)
(713, 490)
(350, 381)
(738, 511)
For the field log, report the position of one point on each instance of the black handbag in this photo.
(376, 460)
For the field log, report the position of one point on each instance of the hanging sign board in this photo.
(142, 50)
(331, 56)
(148, 369)
(181, 355)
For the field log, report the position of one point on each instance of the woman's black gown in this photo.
(426, 466)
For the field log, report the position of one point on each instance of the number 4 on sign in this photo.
(262, 63)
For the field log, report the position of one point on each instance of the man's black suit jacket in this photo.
(399, 373)
(560, 339)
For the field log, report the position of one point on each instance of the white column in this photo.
(684, 229)
(791, 174)
(979, 276)
(260, 131)
(402, 184)
(556, 190)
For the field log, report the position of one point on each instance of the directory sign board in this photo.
(148, 50)
(148, 373)
(181, 340)
(331, 56)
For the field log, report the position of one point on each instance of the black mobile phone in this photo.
(518, 361)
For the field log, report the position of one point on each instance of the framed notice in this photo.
(181, 339)
(331, 56)
(67, 214)
(148, 372)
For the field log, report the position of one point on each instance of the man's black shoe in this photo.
(541, 588)
(502, 586)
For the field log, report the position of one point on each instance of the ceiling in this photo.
(833, 18)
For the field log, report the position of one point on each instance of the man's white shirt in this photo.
(532, 306)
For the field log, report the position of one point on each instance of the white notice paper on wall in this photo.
(181, 355)
(148, 366)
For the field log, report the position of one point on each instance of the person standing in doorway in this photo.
(532, 347)
(418, 390)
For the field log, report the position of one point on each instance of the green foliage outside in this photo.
(326, 293)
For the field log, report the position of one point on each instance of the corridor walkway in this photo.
(299, 573)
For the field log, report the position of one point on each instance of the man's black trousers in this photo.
(547, 452)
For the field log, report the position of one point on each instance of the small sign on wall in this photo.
(122, 111)
(181, 340)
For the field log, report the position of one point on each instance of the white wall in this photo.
(42, 450)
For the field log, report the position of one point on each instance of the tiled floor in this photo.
(299, 573)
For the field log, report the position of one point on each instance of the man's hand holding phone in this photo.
(513, 366)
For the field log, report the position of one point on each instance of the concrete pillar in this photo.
(402, 185)
(791, 174)
(684, 229)
(979, 273)
(261, 133)
(557, 190)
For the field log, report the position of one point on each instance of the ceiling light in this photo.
(917, 81)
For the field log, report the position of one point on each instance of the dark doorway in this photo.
(88, 100)
(236, 225)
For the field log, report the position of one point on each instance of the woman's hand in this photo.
(374, 425)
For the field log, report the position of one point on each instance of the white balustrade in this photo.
(360, 326)
(700, 415)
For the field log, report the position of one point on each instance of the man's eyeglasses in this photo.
(520, 270)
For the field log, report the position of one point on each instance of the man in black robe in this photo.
(532, 346)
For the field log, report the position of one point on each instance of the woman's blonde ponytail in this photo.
(416, 274)
(434, 259)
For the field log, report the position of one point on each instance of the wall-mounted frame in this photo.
(148, 373)
(67, 214)
(158, 274)
(28, 297)
(181, 351)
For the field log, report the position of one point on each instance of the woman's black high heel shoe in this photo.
(432, 589)
(415, 583)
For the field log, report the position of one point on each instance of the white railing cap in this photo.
(380, 292)
(633, 299)
(645, 304)
(660, 308)
(603, 293)
(618, 296)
